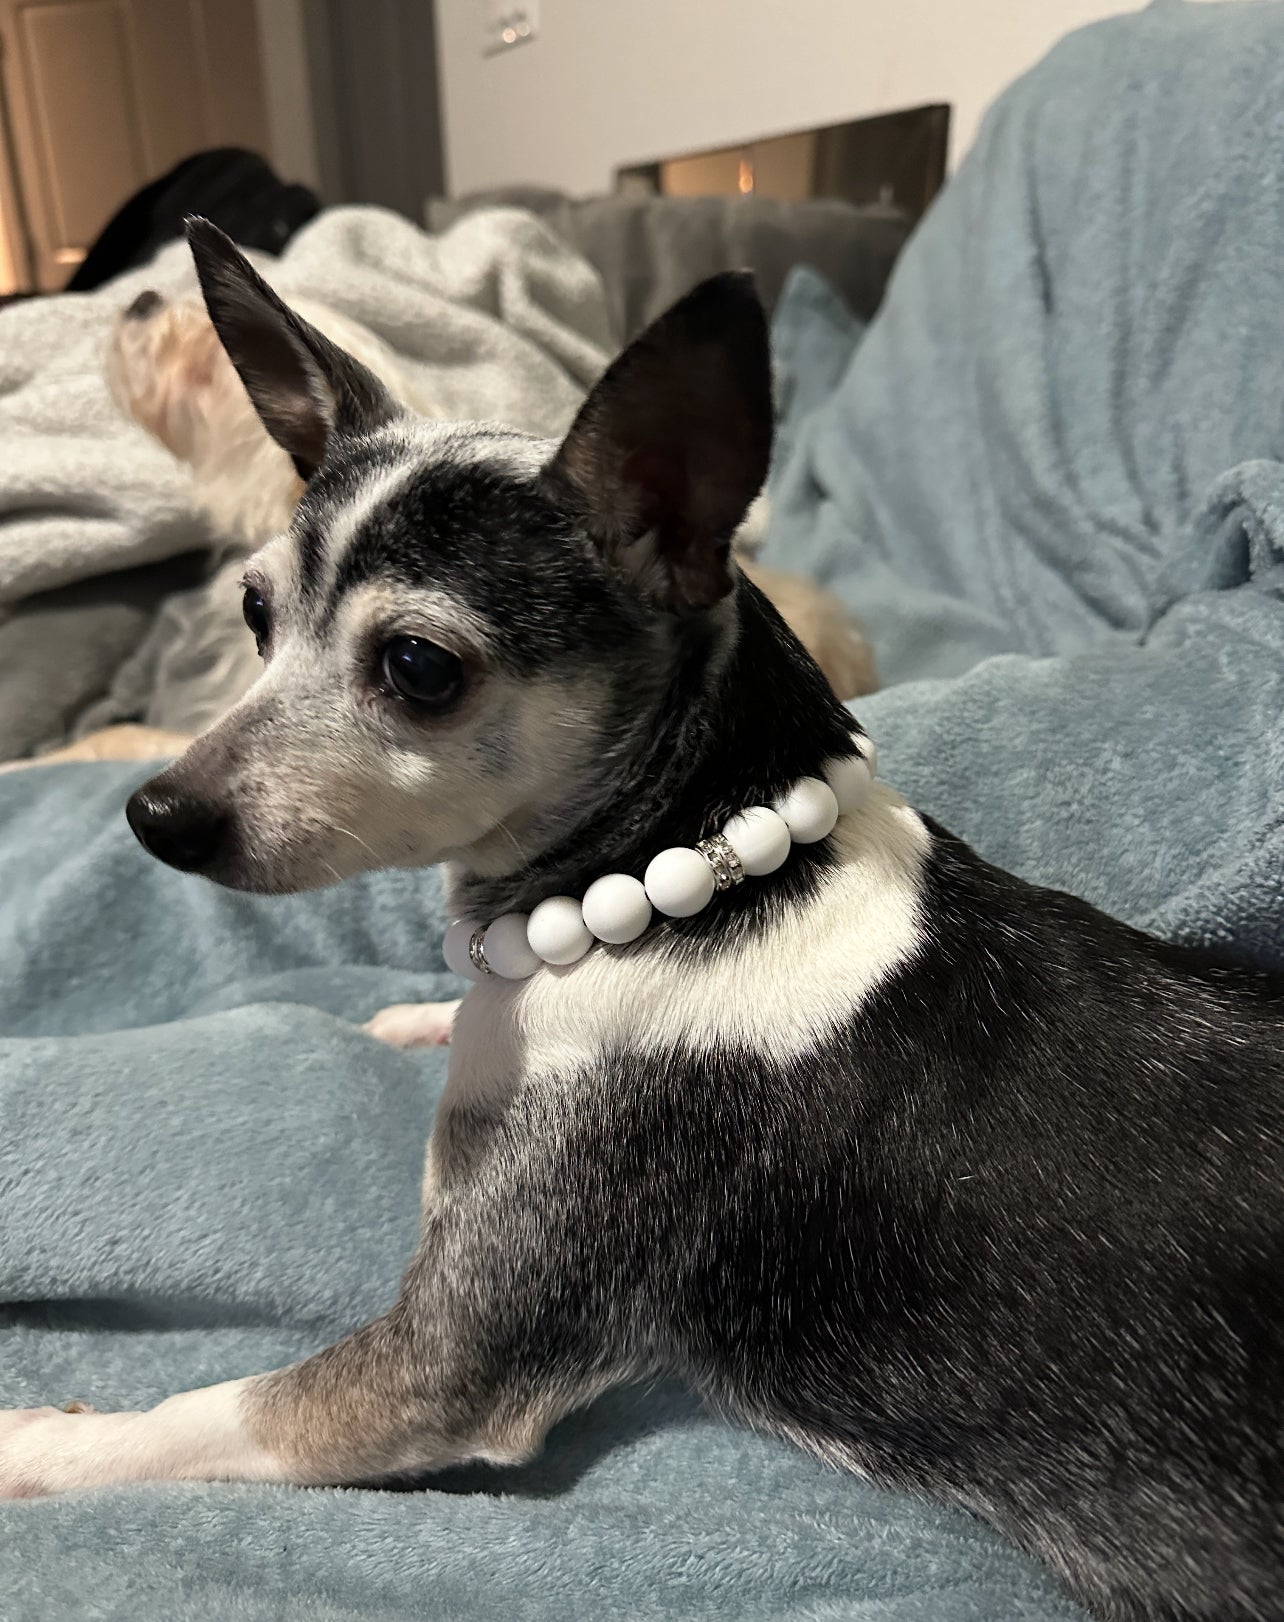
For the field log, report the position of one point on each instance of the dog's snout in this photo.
(187, 833)
(143, 306)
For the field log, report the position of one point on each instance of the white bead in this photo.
(851, 781)
(810, 809)
(679, 882)
(507, 950)
(759, 838)
(455, 949)
(869, 749)
(616, 909)
(556, 930)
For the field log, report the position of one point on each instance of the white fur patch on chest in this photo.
(776, 992)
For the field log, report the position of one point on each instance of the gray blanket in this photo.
(650, 250)
(493, 319)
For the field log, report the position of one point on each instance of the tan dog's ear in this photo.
(305, 388)
(673, 443)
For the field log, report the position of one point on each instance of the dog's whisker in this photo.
(512, 839)
(334, 827)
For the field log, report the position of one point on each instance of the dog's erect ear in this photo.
(673, 443)
(304, 388)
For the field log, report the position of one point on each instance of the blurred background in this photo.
(406, 102)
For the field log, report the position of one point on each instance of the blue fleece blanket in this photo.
(1050, 479)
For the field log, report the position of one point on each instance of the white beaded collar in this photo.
(679, 882)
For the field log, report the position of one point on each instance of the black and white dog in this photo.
(951, 1180)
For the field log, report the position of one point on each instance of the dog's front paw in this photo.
(413, 1024)
(33, 1448)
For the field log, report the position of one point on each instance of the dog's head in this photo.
(464, 630)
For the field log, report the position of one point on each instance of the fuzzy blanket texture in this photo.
(495, 319)
(1051, 480)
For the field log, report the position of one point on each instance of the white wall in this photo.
(622, 81)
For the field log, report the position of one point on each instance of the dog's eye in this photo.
(422, 672)
(256, 615)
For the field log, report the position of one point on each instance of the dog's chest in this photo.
(776, 990)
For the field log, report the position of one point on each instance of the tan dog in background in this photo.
(168, 371)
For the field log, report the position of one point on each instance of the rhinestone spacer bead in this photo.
(727, 867)
(477, 951)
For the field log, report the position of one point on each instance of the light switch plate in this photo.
(508, 23)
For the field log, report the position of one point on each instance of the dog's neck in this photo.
(745, 714)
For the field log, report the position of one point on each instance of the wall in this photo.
(352, 98)
(625, 81)
(386, 115)
(284, 28)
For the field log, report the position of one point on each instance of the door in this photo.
(105, 95)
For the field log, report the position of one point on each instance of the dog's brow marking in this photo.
(421, 610)
(310, 551)
(777, 992)
(401, 452)
(343, 526)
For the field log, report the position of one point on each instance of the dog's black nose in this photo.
(186, 833)
(147, 301)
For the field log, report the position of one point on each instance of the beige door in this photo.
(104, 95)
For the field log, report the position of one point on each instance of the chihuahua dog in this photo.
(947, 1179)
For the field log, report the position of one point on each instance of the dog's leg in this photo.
(387, 1400)
(196, 1435)
(445, 1376)
(414, 1024)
